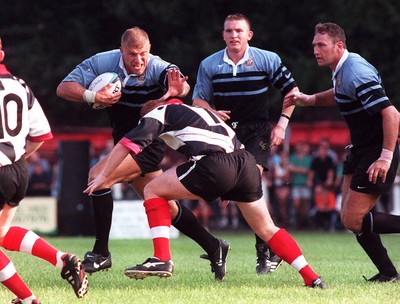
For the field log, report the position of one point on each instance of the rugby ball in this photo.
(101, 81)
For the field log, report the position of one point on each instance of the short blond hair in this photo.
(238, 17)
(135, 37)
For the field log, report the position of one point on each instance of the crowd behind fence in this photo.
(302, 188)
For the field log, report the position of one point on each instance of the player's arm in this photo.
(70, 90)
(325, 98)
(390, 123)
(73, 91)
(177, 85)
(114, 159)
(32, 147)
(278, 133)
(200, 103)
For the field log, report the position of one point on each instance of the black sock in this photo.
(372, 245)
(260, 241)
(103, 204)
(378, 222)
(187, 223)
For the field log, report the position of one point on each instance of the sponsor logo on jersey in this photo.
(249, 63)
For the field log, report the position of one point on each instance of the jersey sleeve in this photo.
(159, 70)
(83, 73)
(370, 93)
(90, 68)
(203, 88)
(148, 129)
(281, 77)
(39, 127)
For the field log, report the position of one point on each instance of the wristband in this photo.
(283, 122)
(89, 96)
(386, 155)
(286, 116)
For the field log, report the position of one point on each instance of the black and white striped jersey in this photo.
(21, 119)
(194, 132)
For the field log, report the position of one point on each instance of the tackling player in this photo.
(217, 166)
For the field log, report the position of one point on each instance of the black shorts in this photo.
(256, 138)
(150, 158)
(234, 176)
(357, 163)
(13, 183)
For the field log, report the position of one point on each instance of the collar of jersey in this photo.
(340, 63)
(230, 62)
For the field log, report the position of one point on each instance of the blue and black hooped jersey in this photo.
(243, 88)
(136, 89)
(360, 96)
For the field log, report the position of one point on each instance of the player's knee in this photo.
(3, 232)
(351, 223)
(173, 208)
(149, 191)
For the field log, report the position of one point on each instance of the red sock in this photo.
(159, 219)
(10, 278)
(287, 249)
(23, 240)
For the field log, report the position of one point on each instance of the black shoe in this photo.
(275, 262)
(151, 267)
(265, 262)
(319, 283)
(73, 272)
(94, 262)
(218, 260)
(381, 278)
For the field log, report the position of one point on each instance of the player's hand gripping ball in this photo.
(102, 80)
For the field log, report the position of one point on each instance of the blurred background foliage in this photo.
(44, 40)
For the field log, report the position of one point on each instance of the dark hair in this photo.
(238, 16)
(332, 30)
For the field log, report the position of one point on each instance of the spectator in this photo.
(321, 177)
(281, 179)
(299, 165)
(324, 141)
(326, 214)
(229, 216)
(37, 158)
(202, 212)
(40, 181)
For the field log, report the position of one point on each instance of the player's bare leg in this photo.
(259, 219)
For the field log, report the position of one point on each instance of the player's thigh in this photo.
(168, 186)
(6, 217)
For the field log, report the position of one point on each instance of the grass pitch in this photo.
(337, 257)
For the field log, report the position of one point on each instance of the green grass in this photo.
(336, 257)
